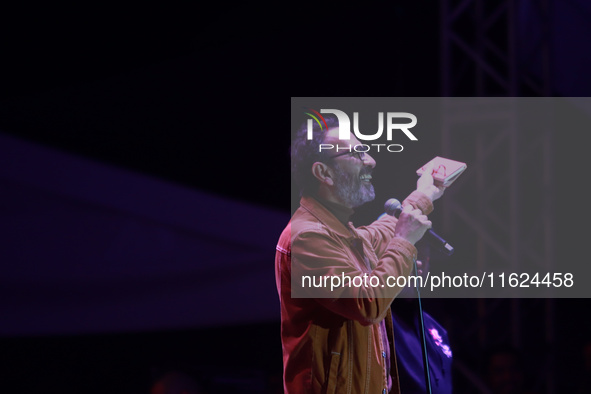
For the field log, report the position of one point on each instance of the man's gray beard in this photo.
(351, 190)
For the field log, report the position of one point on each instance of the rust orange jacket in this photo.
(331, 336)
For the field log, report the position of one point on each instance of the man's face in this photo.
(352, 176)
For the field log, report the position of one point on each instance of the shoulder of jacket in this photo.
(302, 225)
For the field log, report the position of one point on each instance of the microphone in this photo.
(393, 208)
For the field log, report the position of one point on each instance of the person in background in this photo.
(176, 382)
(409, 353)
(505, 371)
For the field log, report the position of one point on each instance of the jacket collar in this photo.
(324, 215)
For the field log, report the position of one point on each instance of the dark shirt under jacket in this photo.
(409, 353)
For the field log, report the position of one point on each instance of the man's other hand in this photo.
(412, 224)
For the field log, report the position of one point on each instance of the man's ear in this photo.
(323, 173)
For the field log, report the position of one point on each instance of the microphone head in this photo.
(391, 206)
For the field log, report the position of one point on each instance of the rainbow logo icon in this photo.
(316, 118)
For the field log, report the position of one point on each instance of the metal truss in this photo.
(482, 54)
(506, 198)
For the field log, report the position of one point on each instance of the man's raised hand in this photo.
(425, 184)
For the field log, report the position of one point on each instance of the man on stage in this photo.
(340, 340)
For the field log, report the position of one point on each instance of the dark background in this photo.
(198, 96)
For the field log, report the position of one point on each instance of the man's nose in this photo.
(369, 161)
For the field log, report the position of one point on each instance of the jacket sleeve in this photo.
(347, 290)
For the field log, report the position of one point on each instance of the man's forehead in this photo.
(332, 137)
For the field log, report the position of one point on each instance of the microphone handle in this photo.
(395, 209)
(442, 243)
